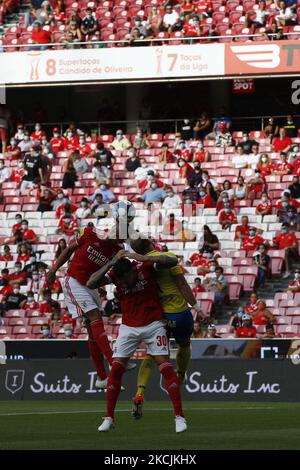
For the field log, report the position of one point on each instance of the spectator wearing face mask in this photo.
(242, 231)
(38, 133)
(99, 208)
(247, 143)
(6, 255)
(294, 285)
(48, 305)
(262, 261)
(182, 151)
(294, 188)
(133, 162)
(201, 155)
(19, 135)
(241, 159)
(67, 224)
(265, 165)
(165, 156)
(5, 173)
(212, 332)
(65, 206)
(33, 170)
(210, 241)
(100, 174)
(80, 164)
(286, 240)
(141, 173)
(107, 195)
(205, 199)
(191, 192)
(84, 148)
(46, 332)
(89, 24)
(153, 194)
(71, 140)
(83, 212)
(201, 261)
(45, 197)
(152, 177)
(13, 300)
(216, 282)
(120, 142)
(23, 253)
(282, 167)
(281, 143)
(252, 241)
(265, 206)
(227, 217)
(287, 213)
(17, 275)
(18, 173)
(196, 174)
(140, 140)
(31, 303)
(198, 287)
(262, 316)
(172, 201)
(223, 136)
(252, 307)
(25, 144)
(294, 157)
(57, 142)
(247, 330)
(13, 151)
(69, 332)
(37, 283)
(28, 234)
(222, 200)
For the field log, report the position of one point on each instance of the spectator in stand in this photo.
(28, 234)
(170, 17)
(270, 333)
(273, 33)
(46, 198)
(281, 143)
(13, 300)
(172, 201)
(240, 190)
(227, 217)
(48, 305)
(69, 332)
(236, 320)
(262, 261)
(40, 36)
(210, 241)
(191, 192)
(33, 170)
(265, 165)
(192, 30)
(46, 332)
(204, 9)
(290, 127)
(286, 240)
(58, 17)
(260, 19)
(80, 164)
(18, 173)
(140, 27)
(13, 151)
(256, 185)
(240, 159)
(71, 139)
(182, 151)
(56, 319)
(120, 142)
(6, 256)
(140, 140)
(154, 21)
(37, 282)
(242, 231)
(252, 307)
(288, 214)
(65, 206)
(83, 212)
(31, 266)
(282, 167)
(185, 129)
(61, 246)
(216, 283)
(141, 173)
(153, 195)
(262, 316)
(198, 287)
(99, 208)
(5, 173)
(271, 129)
(224, 199)
(252, 241)
(197, 330)
(265, 206)
(70, 175)
(187, 7)
(23, 253)
(172, 227)
(105, 157)
(294, 188)
(73, 31)
(20, 134)
(67, 224)
(107, 194)
(165, 156)
(212, 332)
(185, 234)
(247, 330)
(294, 155)
(285, 16)
(184, 168)
(201, 155)
(57, 142)
(202, 127)
(31, 303)
(196, 174)
(223, 136)
(101, 174)
(89, 24)
(133, 162)
(84, 148)
(247, 143)
(205, 198)
(294, 285)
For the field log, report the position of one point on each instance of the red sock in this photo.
(98, 359)
(114, 387)
(173, 386)
(100, 337)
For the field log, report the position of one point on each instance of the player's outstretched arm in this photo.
(98, 278)
(188, 294)
(163, 261)
(61, 260)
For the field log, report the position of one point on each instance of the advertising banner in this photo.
(112, 64)
(221, 379)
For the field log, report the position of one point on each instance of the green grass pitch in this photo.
(211, 425)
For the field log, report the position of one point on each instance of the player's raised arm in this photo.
(98, 279)
(188, 294)
(61, 260)
(163, 261)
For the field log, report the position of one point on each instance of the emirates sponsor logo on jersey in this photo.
(96, 256)
(266, 56)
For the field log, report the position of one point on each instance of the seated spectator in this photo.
(84, 148)
(241, 159)
(46, 332)
(79, 163)
(6, 256)
(21, 132)
(40, 36)
(281, 143)
(13, 300)
(288, 214)
(56, 319)
(223, 136)
(89, 24)
(28, 234)
(261, 16)
(172, 227)
(120, 142)
(262, 261)
(253, 240)
(185, 234)
(216, 284)
(205, 198)
(201, 155)
(182, 152)
(170, 17)
(133, 162)
(286, 240)
(227, 216)
(67, 224)
(58, 17)
(270, 333)
(61, 246)
(46, 198)
(153, 195)
(196, 174)
(57, 142)
(171, 201)
(282, 167)
(265, 165)
(202, 127)
(236, 320)
(256, 185)
(222, 200)
(48, 305)
(17, 275)
(212, 332)
(192, 29)
(206, 179)
(247, 143)
(286, 16)
(271, 128)
(273, 33)
(104, 156)
(5, 173)
(198, 287)
(290, 127)
(23, 253)
(165, 156)
(140, 140)
(294, 155)
(190, 192)
(265, 206)
(294, 188)
(73, 33)
(18, 173)
(31, 303)
(247, 330)
(65, 206)
(197, 330)
(69, 332)
(154, 21)
(83, 212)
(252, 307)
(204, 9)
(294, 285)
(31, 266)
(262, 316)
(240, 190)
(37, 283)
(242, 231)
(13, 151)
(210, 241)
(106, 193)
(99, 208)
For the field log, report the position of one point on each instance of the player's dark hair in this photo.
(141, 245)
(122, 267)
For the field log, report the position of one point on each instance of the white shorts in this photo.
(79, 299)
(153, 335)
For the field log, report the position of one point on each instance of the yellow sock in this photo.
(182, 360)
(144, 374)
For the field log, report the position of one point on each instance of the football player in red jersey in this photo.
(142, 320)
(90, 251)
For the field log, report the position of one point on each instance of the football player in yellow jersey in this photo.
(176, 296)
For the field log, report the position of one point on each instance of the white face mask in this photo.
(16, 291)
(68, 332)
(37, 128)
(55, 135)
(30, 299)
(212, 269)
(46, 332)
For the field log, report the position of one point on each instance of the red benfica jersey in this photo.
(251, 308)
(141, 304)
(243, 332)
(58, 144)
(250, 243)
(285, 240)
(93, 252)
(200, 156)
(203, 6)
(262, 206)
(223, 216)
(243, 229)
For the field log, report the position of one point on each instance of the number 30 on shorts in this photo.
(161, 340)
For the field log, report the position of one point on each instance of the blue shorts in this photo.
(180, 325)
